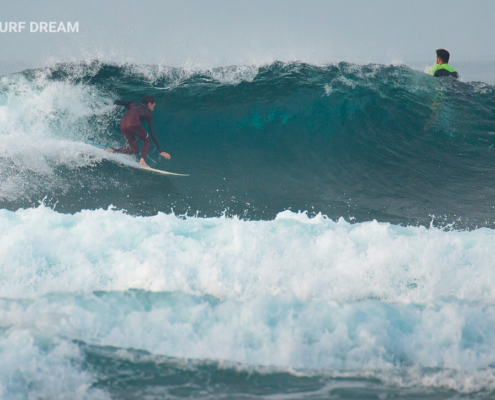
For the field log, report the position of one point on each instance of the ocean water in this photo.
(334, 239)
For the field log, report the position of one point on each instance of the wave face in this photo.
(123, 285)
(364, 142)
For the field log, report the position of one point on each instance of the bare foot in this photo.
(109, 150)
(143, 163)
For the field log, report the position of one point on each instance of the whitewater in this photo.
(334, 238)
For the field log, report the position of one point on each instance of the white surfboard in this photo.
(126, 162)
(136, 165)
(156, 171)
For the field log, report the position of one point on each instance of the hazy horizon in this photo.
(220, 32)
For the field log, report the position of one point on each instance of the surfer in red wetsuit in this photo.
(132, 128)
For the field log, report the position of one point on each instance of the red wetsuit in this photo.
(132, 128)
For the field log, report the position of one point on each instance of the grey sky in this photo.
(224, 32)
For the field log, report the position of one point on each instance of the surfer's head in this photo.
(443, 56)
(149, 101)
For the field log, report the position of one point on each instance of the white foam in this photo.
(43, 251)
(295, 292)
(33, 365)
(43, 126)
(444, 344)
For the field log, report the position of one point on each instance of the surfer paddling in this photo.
(441, 67)
(132, 128)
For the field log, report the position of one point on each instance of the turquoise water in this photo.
(334, 238)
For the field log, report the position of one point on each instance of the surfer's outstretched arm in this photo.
(151, 125)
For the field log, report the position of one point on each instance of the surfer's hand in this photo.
(166, 155)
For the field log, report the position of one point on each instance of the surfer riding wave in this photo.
(132, 128)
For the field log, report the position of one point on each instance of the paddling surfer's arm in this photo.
(151, 125)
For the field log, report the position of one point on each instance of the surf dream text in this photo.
(39, 27)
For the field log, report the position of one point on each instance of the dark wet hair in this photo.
(444, 55)
(148, 99)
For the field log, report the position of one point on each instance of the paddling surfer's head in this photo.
(149, 101)
(443, 56)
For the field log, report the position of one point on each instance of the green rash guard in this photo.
(443, 70)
